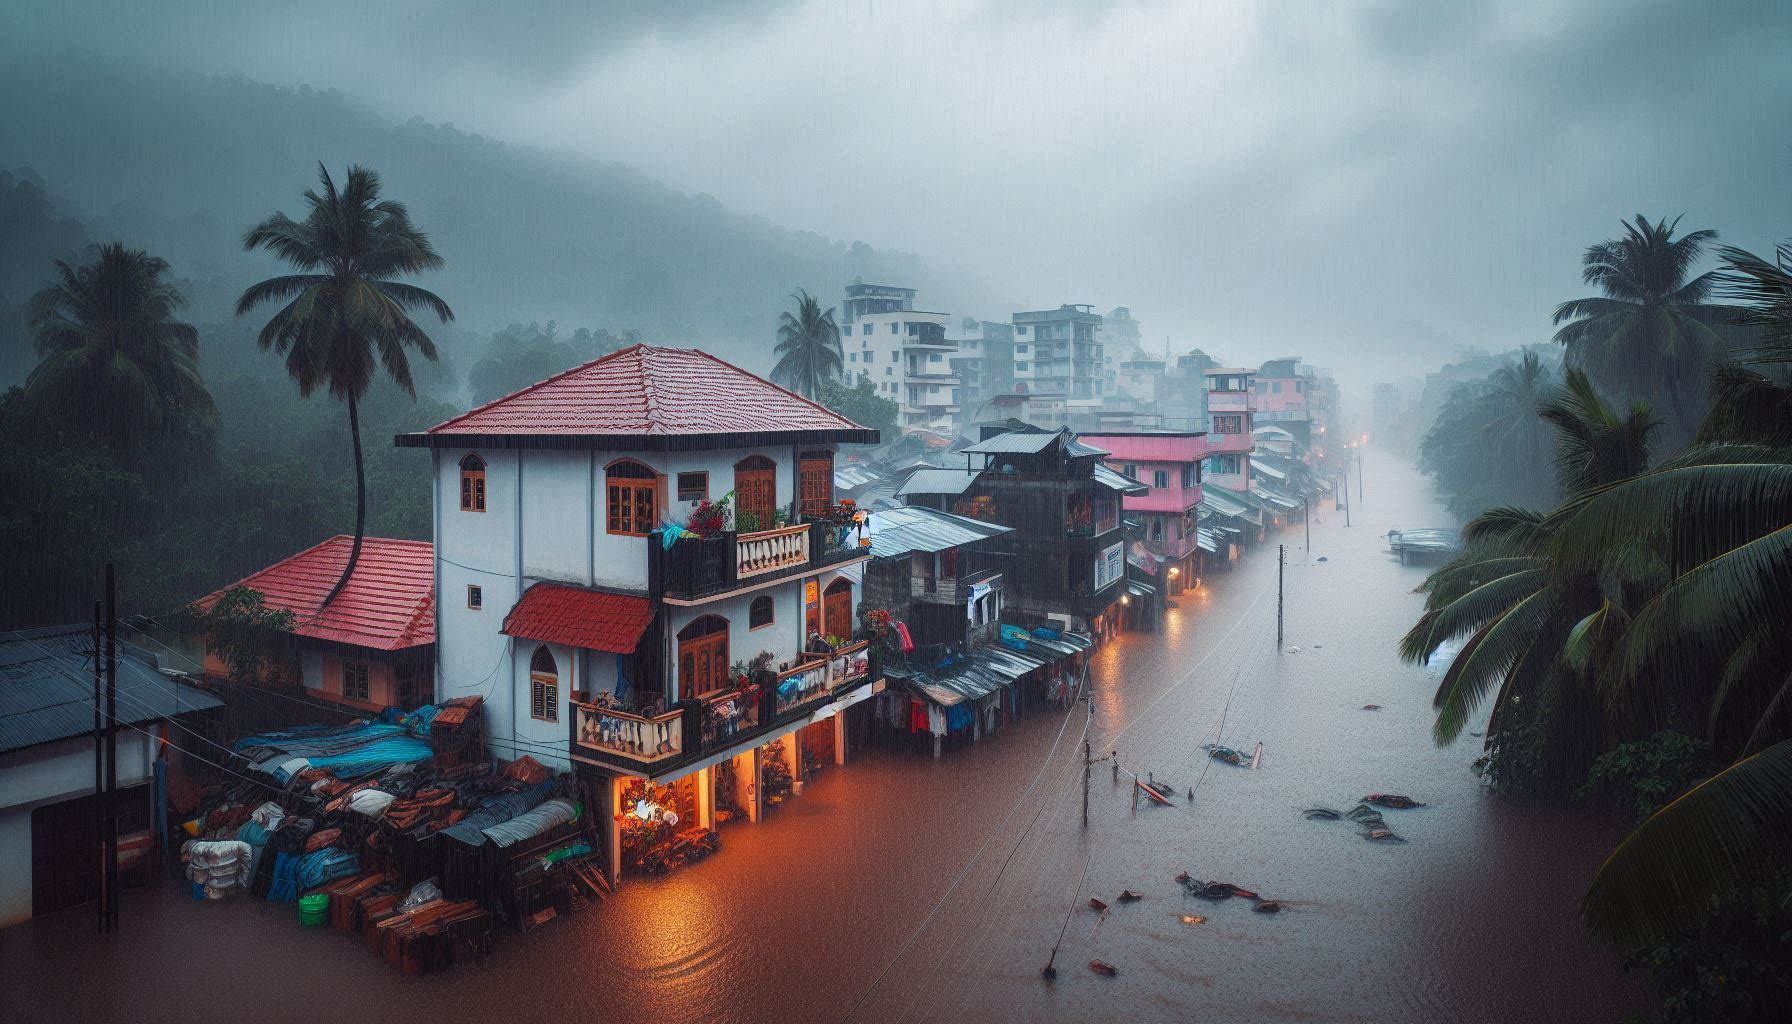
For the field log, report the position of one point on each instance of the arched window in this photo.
(703, 656)
(836, 609)
(632, 498)
(755, 494)
(544, 685)
(759, 613)
(472, 483)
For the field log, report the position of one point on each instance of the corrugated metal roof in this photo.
(939, 481)
(1207, 540)
(388, 604)
(46, 686)
(643, 390)
(1275, 497)
(1017, 442)
(1118, 481)
(899, 531)
(1077, 447)
(1221, 501)
(988, 668)
(1259, 465)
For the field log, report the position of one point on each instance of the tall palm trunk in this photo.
(354, 552)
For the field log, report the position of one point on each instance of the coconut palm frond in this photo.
(1485, 664)
(1731, 829)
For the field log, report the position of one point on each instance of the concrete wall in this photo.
(550, 527)
(46, 774)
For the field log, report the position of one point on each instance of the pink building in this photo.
(1169, 463)
(1229, 422)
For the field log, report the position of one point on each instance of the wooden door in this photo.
(837, 609)
(755, 494)
(703, 657)
(815, 478)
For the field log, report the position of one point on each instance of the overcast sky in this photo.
(1351, 181)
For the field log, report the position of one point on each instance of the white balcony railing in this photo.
(756, 554)
(630, 735)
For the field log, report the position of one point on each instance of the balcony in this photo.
(659, 745)
(694, 569)
(953, 590)
(617, 735)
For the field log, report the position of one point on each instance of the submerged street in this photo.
(900, 888)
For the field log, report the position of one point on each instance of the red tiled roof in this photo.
(643, 390)
(388, 605)
(577, 617)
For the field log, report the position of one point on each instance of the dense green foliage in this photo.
(242, 630)
(1633, 642)
(861, 404)
(1487, 445)
(521, 356)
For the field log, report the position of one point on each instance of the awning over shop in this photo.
(1280, 501)
(1207, 540)
(988, 668)
(1138, 589)
(592, 619)
(1116, 481)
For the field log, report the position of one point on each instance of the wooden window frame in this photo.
(475, 597)
(365, 672)
(626, 492)
(687, 491)
(755, 469)
(771, 612)
(705, 643)
(472, 483)
(544, 687)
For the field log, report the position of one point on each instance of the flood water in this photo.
(899, 888)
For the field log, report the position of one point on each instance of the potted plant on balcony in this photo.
(711, 517)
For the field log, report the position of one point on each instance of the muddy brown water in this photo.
(903, 889)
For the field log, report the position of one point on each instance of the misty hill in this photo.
(182, 164)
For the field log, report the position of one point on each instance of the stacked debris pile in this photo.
(417, 847)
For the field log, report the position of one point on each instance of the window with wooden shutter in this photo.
(355, 680)
(815, 477)
(472, 483)
(544, 686)
(703, 656)
(631, 499)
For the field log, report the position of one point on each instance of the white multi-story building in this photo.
(600, 646)
(904, 352)
(1058, 352)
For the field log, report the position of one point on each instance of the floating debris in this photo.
(1226, 754)
(1268, 907)
(1192, 919)
(1096, 904)
(1103, 968)
(1293, 649)
(1392, 800)
(1383, 835)
(1183, 878)
(1048, 972)
(1322, 558)
(1159, 792)
(1371, 707)
(1128, 896)
(1316, 814)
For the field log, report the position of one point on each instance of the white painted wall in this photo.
(45, 774)
(551, 527)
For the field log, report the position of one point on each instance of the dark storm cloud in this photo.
(1361, 182)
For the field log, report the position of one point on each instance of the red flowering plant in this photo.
(711, 517)
(880, 630)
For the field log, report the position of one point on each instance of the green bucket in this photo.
(314, 910)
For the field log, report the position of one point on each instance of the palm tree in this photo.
(808, 346)
(1518, 391)
(344, 317)
(114, 357)
(1532, 632)
(1651, 333)
(1718, 635)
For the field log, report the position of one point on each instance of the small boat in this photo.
(1128, 896)
(1156, 791)
(1424, 544)
(1103, 968)
(1096, 904)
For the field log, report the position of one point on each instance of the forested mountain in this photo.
(182, 164)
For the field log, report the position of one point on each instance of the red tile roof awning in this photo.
(576, 617)
(388, 604)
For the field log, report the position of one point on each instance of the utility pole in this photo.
(1281, 565)
(1359, 473)
(99, 763)
(1087, 764)
(1306, 515)
(111, 798)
